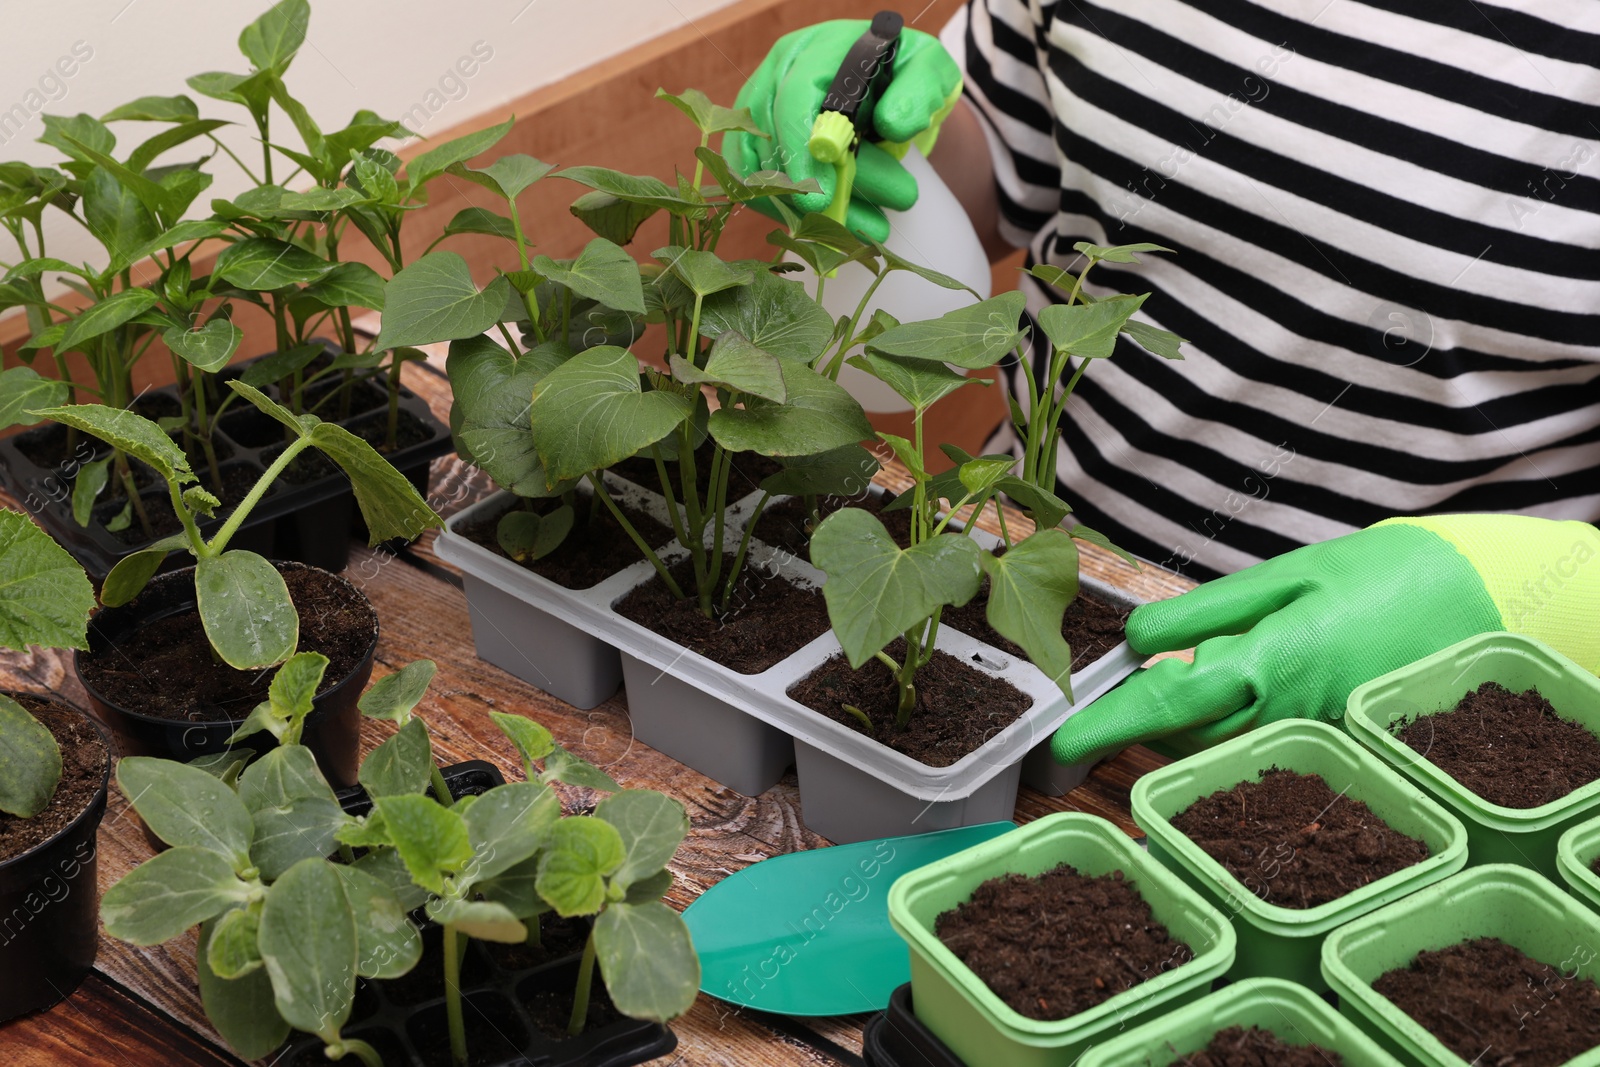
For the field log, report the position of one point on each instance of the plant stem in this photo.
(866, 722)
(452, 999)
(534, 939)
(252, 498)
(666, 491)
(392, 431)
(125, 475)
(744, 548)
(440, 789)
(580, 995)
(363, 1052)
(639, 542)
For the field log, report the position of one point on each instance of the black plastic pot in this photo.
(332, 730)
(310, 522)
(49, 911)
(895, 1038)
(493, 995)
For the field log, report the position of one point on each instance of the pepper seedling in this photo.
(46, 601)
(284, 932)
(243, 601)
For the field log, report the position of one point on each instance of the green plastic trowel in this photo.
(808, 933)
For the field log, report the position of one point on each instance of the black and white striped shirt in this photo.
(1386, 216)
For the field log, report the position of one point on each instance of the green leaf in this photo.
(265, 263)
(1118, 253)
(390, 504)
(1029, 590)
(281, 777)
(1088, 331)
(154, 109)
(224, 766)
(148, 152)
(184, 805)
(242, 1009)
(480, 220)
(272, 40)
(387, 943)
(590, 413)
(507, 825)
(843, 471)
(200, 501)
(245, 608)
(516, 888)
(1163, 343)
(533, 741)
(776, 314)
(647, 960)
(1079, 532)
(711, 118)
(645, 191)
(506, 176)
(563, 766)
(483, 919)
(295, 684)
(434, 162)
(524, 535)
(981, 477)
(736, 364)
(651, 825)
(308, 941)
(922, 383)
(74, 133)
(906, 452)
(607, 216)
(133, 572)
(395, 695)
(402, 764)
(45, 598)
(875, 590)
(209, 347)
(231, 951)
(348, 285)
(134, 434)
(119, 220)
(385, 865)
(581, 851)
(493, 394)
(1043, 507)
(704, 273)
(30, 761)
(1055, 276)
(434, 299)
(276, 366)
(432, 840)
(603, 271)
(973, 337)
(818, 416)
(170, 892)
(22, 391)
(370, 832)
(103, 317)
(752, 186)
(943, 281)
(651, 887)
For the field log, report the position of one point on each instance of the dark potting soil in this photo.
(1255, 1047)
(557, 937)
(1511, 749)
(787, 524)
(425, 981)
(83, 762)
(548, 999)
(323, 399)
(590, 554)
(767, 619)
(745, 478)
(495, 1037)
(1092, 627)
(1061, 942)
(167, 669)
(1492, 1005)
(237, 481)
(958, 706)
(1293, 841)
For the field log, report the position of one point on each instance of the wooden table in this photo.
(140, 1005)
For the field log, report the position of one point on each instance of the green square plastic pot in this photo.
(976, 1024)
(1276, 941)
(1495, 834)
(1575, 856)
(1512, 903)
(1292, 1012)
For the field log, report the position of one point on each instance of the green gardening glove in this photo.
(1292, 637)
(786, 92)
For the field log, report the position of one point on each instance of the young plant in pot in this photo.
(53, 768)
(174, 661)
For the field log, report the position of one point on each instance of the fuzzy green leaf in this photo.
(295, 813)
(134, 434)
(647, 960)
(562, 766)
(232, 951)
(245, 608)
(507, 824)
(482, 919)
(402, 764)
(580, 853)
(390, 504)
(45, 598)
(170, 892)
(308, 941)
(651, 825)
(387, 943)
(242, 1009)
(432, 840)
(30, 761)
(133, 572)
(532, 740)
(395, 695)
(184, 805)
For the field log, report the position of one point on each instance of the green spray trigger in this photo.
(846, 114)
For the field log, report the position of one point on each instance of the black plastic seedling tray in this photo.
(307, 522)
(390, 1016)
(896, 1038)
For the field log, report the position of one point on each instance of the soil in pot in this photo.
(590, 554)
(768, 618)
(1254, 1047)
(1511, 749)
(167, 669)
(787, 524)
(1092, 627)
(548, 998)
(495, 1036)
(748, 471)
(83, 764)
(1293, 841)
(409, 430)
(558, 937)
(959, 708)
(1491, 1004)
(1059, 943)
(425, 981)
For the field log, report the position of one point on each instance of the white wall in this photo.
(396, 57)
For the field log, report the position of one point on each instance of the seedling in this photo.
(243, 601)
(46, 601)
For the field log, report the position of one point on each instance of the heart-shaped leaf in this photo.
(607, 216)
(737, 364)
(776, 314)
(434, 162)
(434, 299)
(524, 535)
(877, 591)
(590, 413)
(246, 610)
(818, 415)
(1088, 331)
(532, 740)
(580, 852)
(646, 191)
(975, 336)
(348, 285)
(506, 176)
(711, 118)
(703, 272)
(603, 271)
(922, 383)
(272, 40)
(493, 395)
(1029, 590)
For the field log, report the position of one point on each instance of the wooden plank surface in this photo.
(141, 1006)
